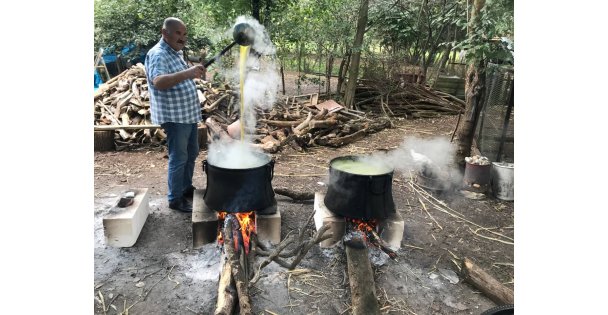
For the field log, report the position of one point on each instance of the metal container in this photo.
(359, 196)
(477, 177)
(240, 190)
(503, 182)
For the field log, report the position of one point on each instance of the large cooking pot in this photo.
(240, 189)
(360, 193)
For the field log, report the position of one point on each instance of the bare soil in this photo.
(163, 274)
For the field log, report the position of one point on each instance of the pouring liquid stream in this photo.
(242, 66)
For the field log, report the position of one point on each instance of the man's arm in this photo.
(167, 81)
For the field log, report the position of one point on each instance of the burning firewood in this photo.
(231, 236)
(361, 278)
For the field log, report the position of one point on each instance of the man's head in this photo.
(174, 33)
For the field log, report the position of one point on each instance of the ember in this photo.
(246, 226)
(363, 226)
(360, 232)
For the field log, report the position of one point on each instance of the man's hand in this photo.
(167, 81)
(196, 72)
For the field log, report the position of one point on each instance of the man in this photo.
(175, 107)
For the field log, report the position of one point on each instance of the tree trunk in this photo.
(442, 62)
(474, 90)
(328, 68)
(267, 9)
(255, 9)
(349, 95)
(283, 78)
(342, 73)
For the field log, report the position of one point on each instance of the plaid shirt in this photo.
(178, 104)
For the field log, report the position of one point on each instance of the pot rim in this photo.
(356, 157)
(270, 161)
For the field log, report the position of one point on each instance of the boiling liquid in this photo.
(242, 67)
(360, 167)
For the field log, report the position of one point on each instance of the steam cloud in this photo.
(261, 75)
(235, 155)
(413, 153)
(259, 90)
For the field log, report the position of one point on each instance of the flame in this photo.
(363, 226)
(246, 227)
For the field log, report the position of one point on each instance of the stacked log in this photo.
(407, 100)
(123, 105)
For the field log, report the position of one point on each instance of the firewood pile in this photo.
(407, 100)
(123, 105)
(297, 123)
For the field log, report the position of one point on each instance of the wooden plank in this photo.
(129, 127)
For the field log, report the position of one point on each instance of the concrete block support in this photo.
(390, 229)
(268, 227)
(324, 216)
(121, 227)
(204, 221)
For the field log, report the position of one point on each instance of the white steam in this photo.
(415, 153)
(261, 84)
(261, 75)
(235, 155)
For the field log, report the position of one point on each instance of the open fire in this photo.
(359, 233)
(246, 226)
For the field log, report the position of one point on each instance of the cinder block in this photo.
(324, 216)
(204, 221)
(268, 227)
(391, 231)
(121, 227)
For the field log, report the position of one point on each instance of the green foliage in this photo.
(306, 32)
(495, 20)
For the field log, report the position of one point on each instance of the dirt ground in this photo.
(163, 274)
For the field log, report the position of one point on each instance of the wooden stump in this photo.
(104, 141)
(202, 137)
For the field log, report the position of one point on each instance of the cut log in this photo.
(213, 106)
(280, 123)
(216, 130)
(323, 123)
(226, 293)
(104, 141)
(238, 273)
(129, 127)
(271, 139)
(361, 278)
(338, 142)
(303, 127)
(487, 284)
(295, 195)
(202, 137)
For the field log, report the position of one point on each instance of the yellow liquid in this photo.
(360, 168)
(242, 65)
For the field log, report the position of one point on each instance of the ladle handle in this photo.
(208, 63)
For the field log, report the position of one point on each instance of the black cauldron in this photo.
(359, 196)
(240, 189)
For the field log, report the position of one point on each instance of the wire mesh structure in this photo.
(495, 130)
